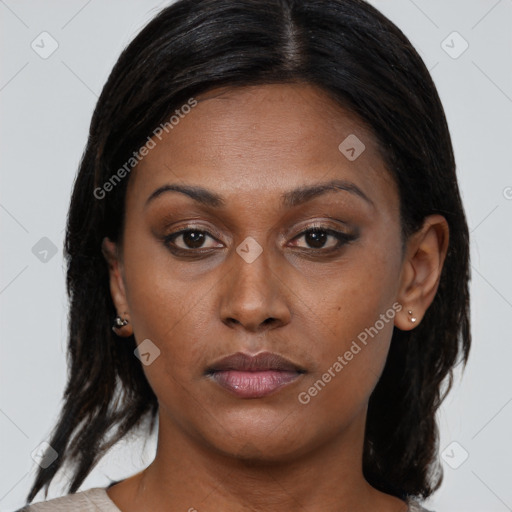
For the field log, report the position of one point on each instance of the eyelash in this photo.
(342, 238)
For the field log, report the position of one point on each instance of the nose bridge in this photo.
(252, 294)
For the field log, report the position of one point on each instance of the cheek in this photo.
(158, 295)
(170, 314)
(166, 315)
(165, 308)
(350, 360)
(356, 313)
(363, 289)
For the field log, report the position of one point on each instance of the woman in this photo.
(267, 253)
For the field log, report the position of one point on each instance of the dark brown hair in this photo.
(364, 63)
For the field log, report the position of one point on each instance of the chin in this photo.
(273, 444)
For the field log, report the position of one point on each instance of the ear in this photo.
(421, 270)
(110, 251)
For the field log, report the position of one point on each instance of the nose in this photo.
(254, 295)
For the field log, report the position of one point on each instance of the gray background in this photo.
(46, 105)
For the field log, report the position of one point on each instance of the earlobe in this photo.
(122, 326)
(421, 272)
(407, 319)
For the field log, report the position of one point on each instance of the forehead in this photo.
(264, 138)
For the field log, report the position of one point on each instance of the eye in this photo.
(188, 240)
(193, 241)
(324, 238)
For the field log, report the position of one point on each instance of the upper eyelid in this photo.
(314, 225)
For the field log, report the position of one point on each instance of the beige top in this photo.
(92, 500)
(97, 500)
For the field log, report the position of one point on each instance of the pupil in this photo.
(193, 239)
(316, 238)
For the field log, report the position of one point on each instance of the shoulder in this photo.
(414, 506)
(92, 500)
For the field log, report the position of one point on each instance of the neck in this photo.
(189, 475)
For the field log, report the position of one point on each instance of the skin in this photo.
(217, 451)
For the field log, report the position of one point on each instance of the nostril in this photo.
(232, 321)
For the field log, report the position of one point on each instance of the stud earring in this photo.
(119, 322)
(412, 318)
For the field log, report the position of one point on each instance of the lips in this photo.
(254, 376)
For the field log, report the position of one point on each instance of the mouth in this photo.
(254, 376)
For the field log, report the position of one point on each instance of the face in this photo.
(258, 258)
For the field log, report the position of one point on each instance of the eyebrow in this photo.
(289, 199)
